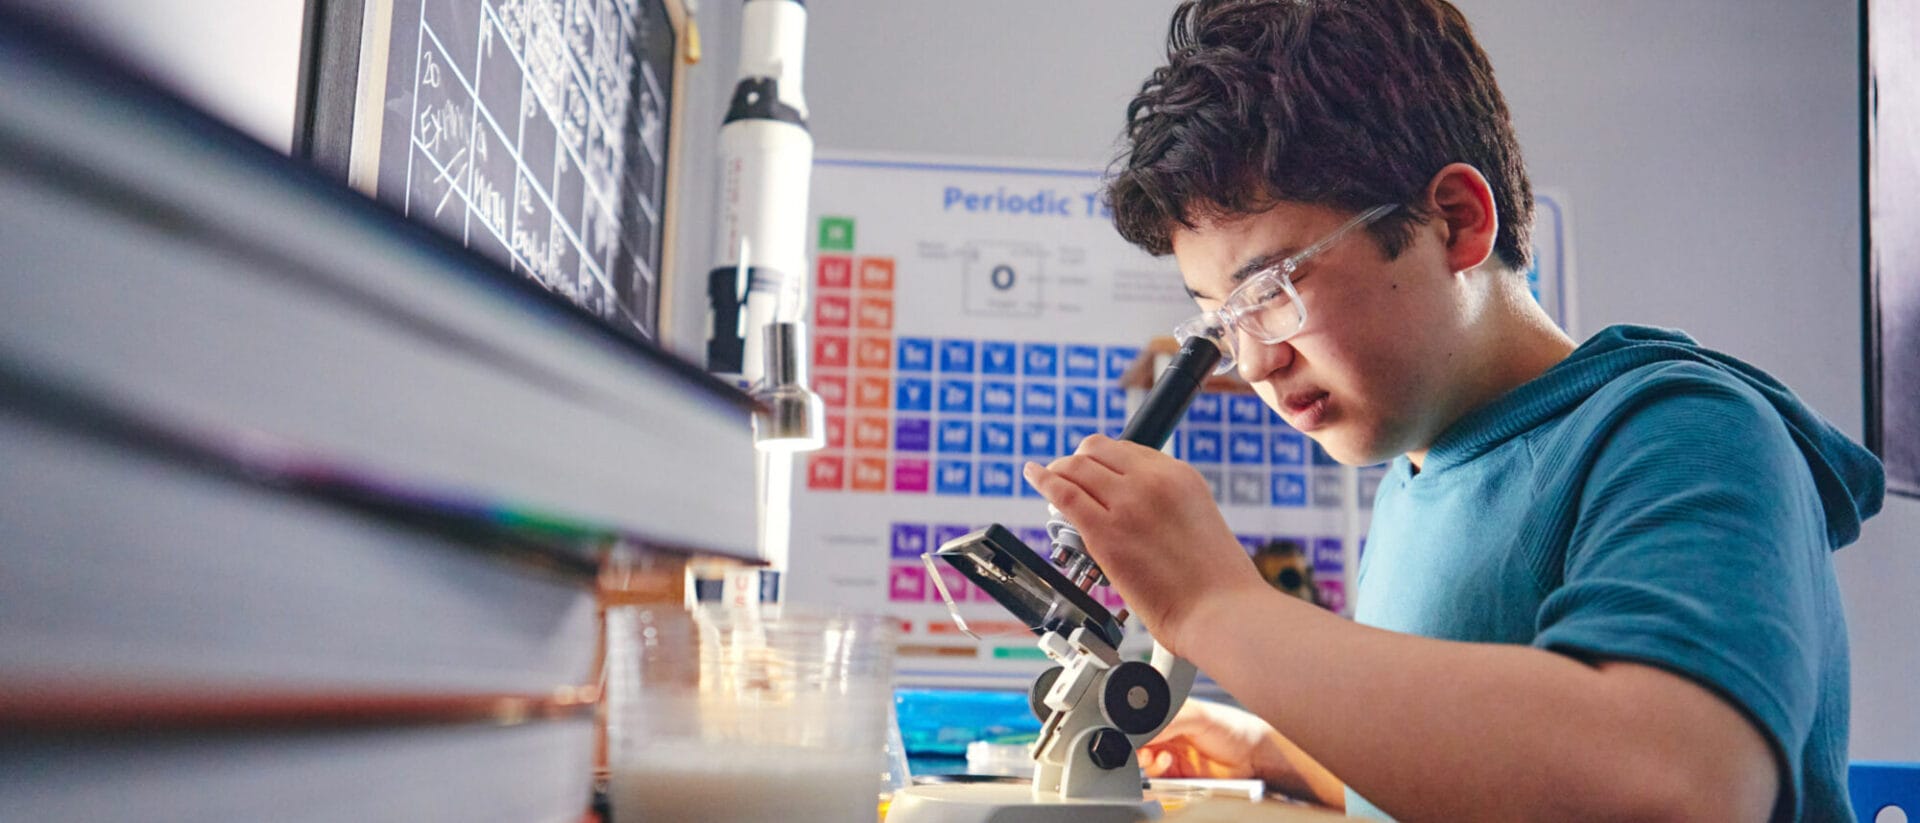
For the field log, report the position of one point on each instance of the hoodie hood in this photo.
(1849, 478)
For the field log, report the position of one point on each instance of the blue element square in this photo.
(1116, 403)
(1245, 410)
(1071, 436)
(996, 479)
(1118, 359)
(916, 354)
(1205, 408)
(1288, 448)
(956, 356)
(1289, 489)
(1082, 361)
(908, 541)
(1040, 441)
(1040, 360)
(1203, 446)
(1273, 416)
(1114, 430)
(912, 434)
(996, 437)
(1083, 401)
(998, 358)
(1321, 458)
(997, 398)
(1246, 448)
(913, 394)
(1040, 400)
(956, 437)
(944, 533)
(956, 396)
(952, 477)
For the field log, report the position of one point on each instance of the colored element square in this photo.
(870, 432)
(1287, 448)
(869, 474)
(956, 396)
(956, 356)
(913, 394)
(826, 471)
(871, 392)
(1082, 361)
(996, 398)
(1202, 446)
(832, 389)
(830, 351)
(996, 437)
(873, 312)
(1205, 408)
(1247, 488)
(944, 533)
(956, 583)
(998, 358)
(916, 354)
(913, 434)
(910, 475)
(836, 233)
(956, 437)
(836, 431)
(1326, 554)
(1251, 543)
(832, 311)
(1040, 360)
(1118, 359)
(1289, 489)
(1036, 539)
(1082, 401)
(873, 352)
(953, 477)
(1071, 436)
(1040, 441)
(1333, 593)
(1245, 410)
(996, 479)
(1246, 448)
(1321, 458)
(1328, 490)
(1115, 403)
(876, 273)
(1040, 400)
(907, 583)
(907, 541)
(835, 272)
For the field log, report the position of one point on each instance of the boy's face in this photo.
(1372, 372)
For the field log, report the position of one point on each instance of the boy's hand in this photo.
(1150, 522)
(1210, 740)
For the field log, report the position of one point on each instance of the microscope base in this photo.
(1009, 803)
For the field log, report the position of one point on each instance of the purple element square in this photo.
(1118, 359)
(944, 533)
(908, 541)
(907, 583)
(1036, 539)
(1082, 361)
(1251, 543)
(910, 475)
(1326, 554)
(913, 434)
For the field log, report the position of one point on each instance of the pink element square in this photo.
(910, 475)
(1333, 594)
(957, 585)
(907, 584)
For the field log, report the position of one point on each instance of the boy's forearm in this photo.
(1441, 730)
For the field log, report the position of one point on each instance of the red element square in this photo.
(830, 350)
(826, 471)
(832, 389)
(872, 352)
(870, 432)
(876, 273)
(910, 475)
(837, 428)
(869, 474)
(872, 392)
(836, 272)
(832, 311)
(874, 313)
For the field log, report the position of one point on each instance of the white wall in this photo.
(1709, 150)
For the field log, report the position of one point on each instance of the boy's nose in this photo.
(1258, 360)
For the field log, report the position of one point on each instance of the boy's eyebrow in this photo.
(1249, 268)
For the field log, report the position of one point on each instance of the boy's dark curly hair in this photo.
(1342, 103)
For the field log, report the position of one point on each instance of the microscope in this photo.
(1096, 709)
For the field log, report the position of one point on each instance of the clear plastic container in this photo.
(755, 714)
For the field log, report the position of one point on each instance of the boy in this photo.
(1596, 584)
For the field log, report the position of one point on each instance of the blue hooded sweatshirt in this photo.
(1650, 500)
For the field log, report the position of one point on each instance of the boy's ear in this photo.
(1468, 221)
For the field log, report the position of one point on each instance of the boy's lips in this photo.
(1305, 410)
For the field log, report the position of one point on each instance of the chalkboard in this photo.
(536, 132)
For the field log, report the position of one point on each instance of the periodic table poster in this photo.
(968, 317)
